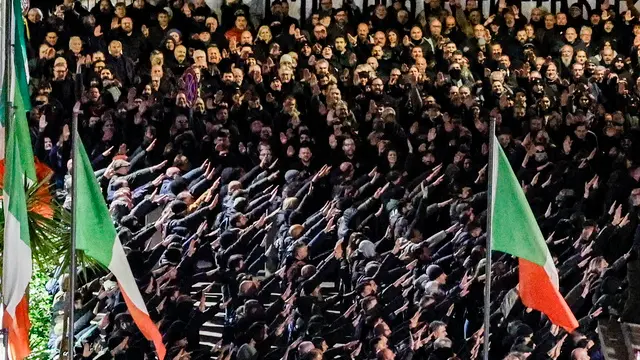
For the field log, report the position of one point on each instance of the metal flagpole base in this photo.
(4, 347)
(4, 334)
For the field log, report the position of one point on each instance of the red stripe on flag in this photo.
(18, 331)
(146, 326)
(537, 292)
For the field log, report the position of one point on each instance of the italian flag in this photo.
(97, 237)
(19, 171)
(514, 231)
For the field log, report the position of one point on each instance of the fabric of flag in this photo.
(514, 230)
(98, 238)
(19, 171)
(3, 90)
(15, 88)
(16, 255)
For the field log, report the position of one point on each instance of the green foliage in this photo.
(51, 247)
(47, 236)
(50, 238)
(40, 313)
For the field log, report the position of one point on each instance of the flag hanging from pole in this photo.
(17, 263)
(514, 230)
(20, 170)
(91, 213)
(15, 89)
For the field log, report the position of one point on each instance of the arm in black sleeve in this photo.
(386, 263)
(143, 208)
(303, 202)
(394, 273)
(257, 237)
(192, 175)
(154, 256)
(97, 160)
(257, 186)
(193, 219)
(216, 275)
(362, 180)
(255, 202)
(202, 317)
(131, 178)
(363, 190)
(267, 287)
(104, 186)
(585, 324)
(200, 187)
(312, 220)
(242, 242)
(316, 228)
(366, 206)
(256, 265)
(316, 243)
(259, 210)
(416, 218)
(603, 237)
(369, 219)
(141, 237)
(333, 353)
(304, 189)
(322, 272)
(137, 158)
(274, 309)
(250, 175)
(619, 264)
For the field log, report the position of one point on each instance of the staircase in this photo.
(632, 339)
(619, 341)
(211, 331)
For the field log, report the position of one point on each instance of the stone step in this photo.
(211, 335)
(213, 326)
(211, 331)
(612, 340)
(631, 334)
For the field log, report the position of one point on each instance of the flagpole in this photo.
(487, 269)
(74, 203)
(8, 111)
(6, 34)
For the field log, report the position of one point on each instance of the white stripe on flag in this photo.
(552, 272)
(120, 268)
(14, 282)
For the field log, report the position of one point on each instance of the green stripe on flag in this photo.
(20, 57)
(21, 129)
(514, 229)
(14, 185)
(21, 100)
(95, 232)
(4, 92)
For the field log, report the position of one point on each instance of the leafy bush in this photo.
(50, 238)
(40, 303)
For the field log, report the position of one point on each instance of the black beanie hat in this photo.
(434, 272)
(173, 256)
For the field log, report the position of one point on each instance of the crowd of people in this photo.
(350, 149)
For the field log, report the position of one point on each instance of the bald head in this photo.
(305, 347)
(247, 288)
(308, 271)
(580, 354)
(385, 354)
